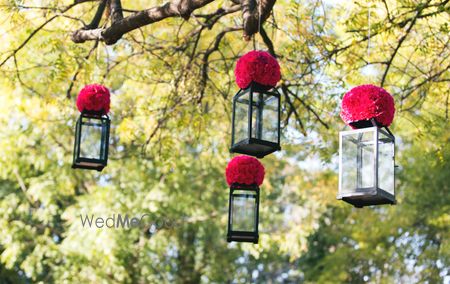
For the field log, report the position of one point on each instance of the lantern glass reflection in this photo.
(358, 160)
(241, 117)
(366, 171)
(91, 139)
(265, 117)
(243, 214)
(244, 211)
(386, 162)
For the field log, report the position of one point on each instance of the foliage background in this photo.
(169, 147)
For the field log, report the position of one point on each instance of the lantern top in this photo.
(244, 170)
(257, 66)
(366, 102)
(94, 98)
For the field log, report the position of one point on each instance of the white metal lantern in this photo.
(366, 166)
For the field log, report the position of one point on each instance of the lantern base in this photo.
(243, 237)
(362, 197)
(88, 164)
(255, 147)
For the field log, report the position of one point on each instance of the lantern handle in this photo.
(374, 123)
(387, 129)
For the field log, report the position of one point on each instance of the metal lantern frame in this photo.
(104, 122)
(255, 146)
(374, 195)
(243, 236)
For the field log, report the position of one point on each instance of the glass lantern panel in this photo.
(91, 139)
(358, 161)
(243, 211)
(265, 117)
(386, 163)
(241, 118)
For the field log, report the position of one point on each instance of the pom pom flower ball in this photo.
(94, 97)
(365, 102)
(257, 66)
(244, 170)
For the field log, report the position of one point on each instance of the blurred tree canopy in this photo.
(172, 82)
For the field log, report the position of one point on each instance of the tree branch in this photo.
(110, 35)
(80, 64)
(116, 11)
(205, 66)
(400, 42)
(308, 107)
(23, 187)
(286, 92)
(254, 14)
(28, 39)
(36, 31)
(268, 42)
(98, 16)
(251, 15)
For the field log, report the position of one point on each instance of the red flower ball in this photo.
(259, 67)
(245, 170)
(366, 102)
(94, 97)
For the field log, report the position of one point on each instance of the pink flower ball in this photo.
(366, 102)
(259, 67)
(94, 97)
(244, 170)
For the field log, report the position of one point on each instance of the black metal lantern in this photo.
(256, 121)
(91, 141)
(243, 213)
(366, 166)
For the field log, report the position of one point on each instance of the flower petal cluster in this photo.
(245, 170)
(94, 97)
(257, 66)
(366, 102)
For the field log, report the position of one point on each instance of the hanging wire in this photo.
(259, 19)
(97, 69)
(97, 51)
(255, 41)
(274, 27)
(368, 35)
